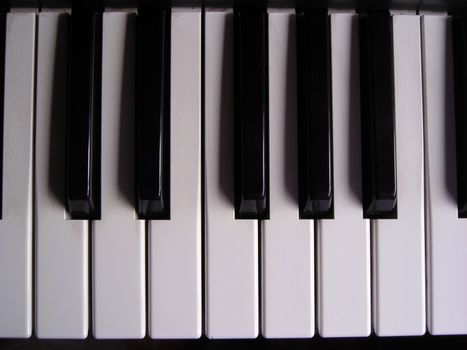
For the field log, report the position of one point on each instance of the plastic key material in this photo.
(378, 123)
(16, 226)
(251, 114)
(118, 239)
(231, 246)
(61, 245)
(314, 114)
(84, 114)
(175, 307)
(153, 114)
(287, 252)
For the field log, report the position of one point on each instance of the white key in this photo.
(119, 288)
(16, 222)
(61, 244)
(287, 242)
(175, 244)
(399, 244)
(343, 243)
(231, 245)
(446, 233)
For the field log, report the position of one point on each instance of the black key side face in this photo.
(314, 115)
(84, 115)
(459, 38)
(378, 121)
(2, 95)
(251, 114)
(153, 114)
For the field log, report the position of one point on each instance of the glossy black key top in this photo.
(251, 114)
(459, 40)
(84, 115)
(2, 94)
(378, 123)
(314, 115)
(153, 114)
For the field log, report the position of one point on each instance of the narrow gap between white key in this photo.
(373, 278)
(316, 315)
(147, 267)
(90, 279)
(261, 263)
(426, 178)
(33, 211)
(203, 178)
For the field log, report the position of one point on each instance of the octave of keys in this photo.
(180, 172)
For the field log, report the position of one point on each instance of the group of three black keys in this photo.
(251, 141)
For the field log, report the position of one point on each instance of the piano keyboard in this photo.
(232, 173)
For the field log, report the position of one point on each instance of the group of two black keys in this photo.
(251, 149)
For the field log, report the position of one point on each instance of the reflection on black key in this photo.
(459, 38)
(314, 115)
(251, 114)
(378, 124)
(153, 114)
(84, 115)
(2, 94)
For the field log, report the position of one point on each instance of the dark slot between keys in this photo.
(83, 175)
(2, 95)
(377, 110)
(153, 114)
(251, 114)
(459, 41)
(314, 115)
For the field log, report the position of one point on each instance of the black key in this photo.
(2, 94)
(153, 114)
(378, 124)
(83, 175)
(314, 115)
(251, 114)
(459, 38)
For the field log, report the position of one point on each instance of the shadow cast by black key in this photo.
(449, 126)
(226, 115)
(354, 146)
(126, 166)
(290, 119)
(56, 166)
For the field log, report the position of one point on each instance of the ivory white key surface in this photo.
(175, 244)
(61, 244)
(343, 243)
(16, 222)
(446, 233)
(287, 242)
(399, 244)
(119, 288)
(231, 245)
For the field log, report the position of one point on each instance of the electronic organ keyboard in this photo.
(233, 170)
